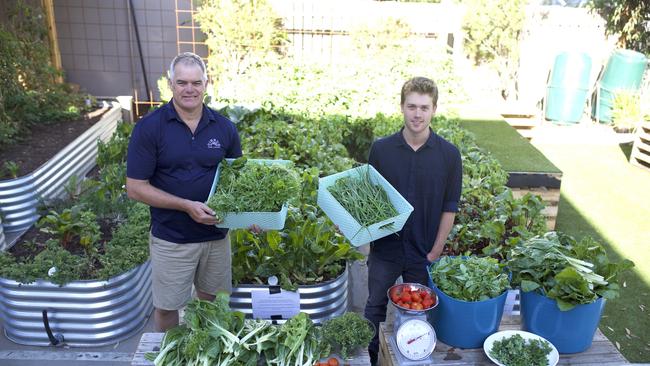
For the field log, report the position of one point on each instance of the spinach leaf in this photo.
(470, 279)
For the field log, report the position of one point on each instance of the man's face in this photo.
(418, 109)
(188, 86)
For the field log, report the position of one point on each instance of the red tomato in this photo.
(416, 306)
(396, 298)
(406, 306)
(333, 362)
(406, 297)
(415, 297)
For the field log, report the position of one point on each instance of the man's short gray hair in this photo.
(187, 58)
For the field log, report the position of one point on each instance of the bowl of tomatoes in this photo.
(412, 297)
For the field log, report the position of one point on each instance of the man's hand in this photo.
(434, 253)
(201, 213)
(255, 229)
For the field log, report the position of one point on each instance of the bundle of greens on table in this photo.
(245, 186)
(367, 202)
(563, 269)
(215, 335)
(471, 278)
(516, 351)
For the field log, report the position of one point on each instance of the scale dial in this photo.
(415, 339)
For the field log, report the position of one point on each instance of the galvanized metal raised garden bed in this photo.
(85, 313)
(20, 197)
(322, 301)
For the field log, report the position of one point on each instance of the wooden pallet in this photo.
(151, 341)
(550, 196)
(602, 352)
(640, 155)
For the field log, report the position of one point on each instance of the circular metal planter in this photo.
(86, 313)
(321, 302)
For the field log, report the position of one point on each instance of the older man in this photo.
(172, 159)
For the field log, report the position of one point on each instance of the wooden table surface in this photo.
(149, 341)
(602, 352)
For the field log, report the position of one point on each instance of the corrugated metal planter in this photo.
(3, 241)
(20, 197)
(322, 301)
(86, 313)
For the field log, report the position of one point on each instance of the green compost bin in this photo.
(568, 87)
(624, 71)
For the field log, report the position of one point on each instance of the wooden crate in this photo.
(550, 196)
(602, 352)
(151, 341)
(640, 155)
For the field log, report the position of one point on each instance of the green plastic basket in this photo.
(243, 220)
(350, 227)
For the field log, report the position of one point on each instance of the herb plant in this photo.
(516, 351)
(249, 187)
(563, 269)
(470, 279)
(348, 332)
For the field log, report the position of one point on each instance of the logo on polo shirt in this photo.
(214, 144)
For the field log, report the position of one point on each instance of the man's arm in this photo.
(446, 223)
(141, 190)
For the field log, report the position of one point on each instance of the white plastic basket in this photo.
(351, 229)
(243, 220)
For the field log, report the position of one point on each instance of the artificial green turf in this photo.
(513, 151)
(607, 198)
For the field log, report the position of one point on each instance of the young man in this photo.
(427, 171)
(172, 159)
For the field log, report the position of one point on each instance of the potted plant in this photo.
(627, 114)
(471, 294)
(564, 284)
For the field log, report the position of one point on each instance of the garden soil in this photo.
(42, 143)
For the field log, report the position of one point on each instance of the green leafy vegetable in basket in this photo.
(516, 351)
(348, 332)
(253, 187)
(470, 279)
(367, 202)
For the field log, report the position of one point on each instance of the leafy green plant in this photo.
(471, 278)
(12, 168)
(30, 91)
(626, 110)
(72, 224)
(307, 251)
(348, 332)
(561, 268)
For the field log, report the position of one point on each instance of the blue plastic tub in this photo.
(570, 331)
(465, 324)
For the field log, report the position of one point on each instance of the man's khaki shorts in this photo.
(175, 267)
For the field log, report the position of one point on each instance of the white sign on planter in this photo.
(280, 305)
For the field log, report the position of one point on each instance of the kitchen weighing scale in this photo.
(413, 339)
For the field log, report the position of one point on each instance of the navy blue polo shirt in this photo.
(164, 151)
(430, 179)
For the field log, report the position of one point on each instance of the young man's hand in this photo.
(434, 253)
